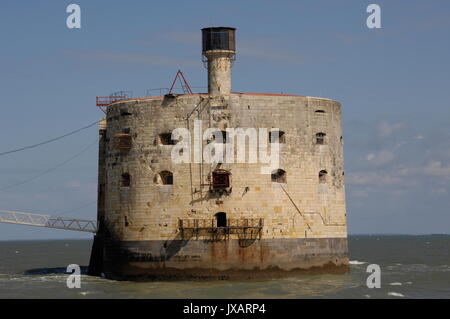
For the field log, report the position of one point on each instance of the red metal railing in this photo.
(107, 100)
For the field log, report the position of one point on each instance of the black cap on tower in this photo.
(218, 38)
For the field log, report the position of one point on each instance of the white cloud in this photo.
(372, 178)
(74, 184)
(439, 191)
(359, 193)
(349, 38)
(259, 48)
(435, 168)
(126, 57)
(184, 37)
(385, 129)
(380, 158)
(403, 175)
(269, 51)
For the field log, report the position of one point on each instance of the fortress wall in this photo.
(152, 211)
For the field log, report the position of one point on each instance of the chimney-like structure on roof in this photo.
(219, 49)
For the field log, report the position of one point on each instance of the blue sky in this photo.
(393, 83)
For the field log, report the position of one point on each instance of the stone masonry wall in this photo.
(146, 210)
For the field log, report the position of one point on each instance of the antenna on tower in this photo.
(184, 85)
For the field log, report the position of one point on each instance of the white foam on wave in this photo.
(7, 276)
(395, 284)
(356, 262)
(50, 278)
(395, 294)
(84, 293)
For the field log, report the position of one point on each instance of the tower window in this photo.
(320, 138)
(220, 179)
(123, 141)
(221, 219)
(124, 112)
(166, 139)
(165, 178)
(277, 138)
(323, 176)
(320, 111)
(126, 180)
(278, 176)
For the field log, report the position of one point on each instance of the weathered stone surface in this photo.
(224, 259)
(310, 213)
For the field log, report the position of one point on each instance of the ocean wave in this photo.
(45, 278)
(5, 276)
(395, 294)
(417, 268)
(84, 293)
(356, 262)
(52, 271)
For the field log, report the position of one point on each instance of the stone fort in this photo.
(161, 219)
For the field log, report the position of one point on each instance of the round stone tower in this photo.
(221, 184)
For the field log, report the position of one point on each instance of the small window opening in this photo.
(320, 111)
(279, 176)
(166, 139)
(323, 176)
(124, 112)
(221, 219)
(220, 179)
(126, 180)
(166, 178)
(320, 138)
(123, 141)
(277, 138)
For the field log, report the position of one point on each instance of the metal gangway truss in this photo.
(31, 219)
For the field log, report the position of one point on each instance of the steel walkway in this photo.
(23, 218)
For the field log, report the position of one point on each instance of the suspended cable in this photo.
(48, 141)
(50, 169)
(74, 209)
